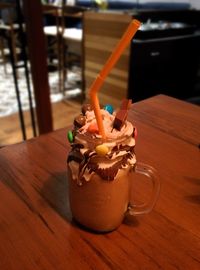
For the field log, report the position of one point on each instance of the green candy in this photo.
(70, 136)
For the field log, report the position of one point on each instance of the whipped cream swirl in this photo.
(84, 161)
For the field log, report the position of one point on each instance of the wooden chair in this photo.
(8, 30)
(54, 31)
(72, 34)
(3, 56)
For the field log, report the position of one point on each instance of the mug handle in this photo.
(152, 175)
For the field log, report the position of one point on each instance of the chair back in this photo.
(67, 9)
(53, 11)
(72, 12)
(73, 34)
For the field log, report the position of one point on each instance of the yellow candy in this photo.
(101, 149)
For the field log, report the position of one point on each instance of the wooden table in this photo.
(36, 227)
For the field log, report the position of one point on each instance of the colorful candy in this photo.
(101, 149)
(93, 128)
(109, 108)
(70, 136)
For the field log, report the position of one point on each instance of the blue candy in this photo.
(109, 108)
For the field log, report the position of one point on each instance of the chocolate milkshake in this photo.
(100, 170)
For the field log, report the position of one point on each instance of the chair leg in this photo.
(3, 55)
(64, 71)
(83, 96)
(64, 77)
(14, 49)
(60, 63)
(62, 66)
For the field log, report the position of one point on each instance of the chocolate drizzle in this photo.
(83, 165)
(109, 173)
(118, 148)
(87, 162)
(75, 154)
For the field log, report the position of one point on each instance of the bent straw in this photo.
(95, 87)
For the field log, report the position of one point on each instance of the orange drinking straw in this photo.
(95, 87)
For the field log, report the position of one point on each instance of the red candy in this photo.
(93, 128)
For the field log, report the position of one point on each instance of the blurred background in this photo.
(51, 51)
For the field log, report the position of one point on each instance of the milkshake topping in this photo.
(90, 153)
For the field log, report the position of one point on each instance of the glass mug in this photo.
(101, 205)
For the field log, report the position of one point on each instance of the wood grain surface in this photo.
(36, 227)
